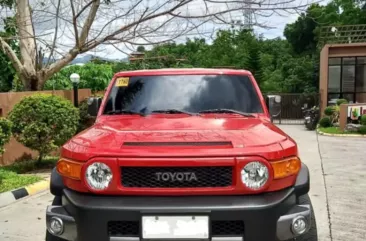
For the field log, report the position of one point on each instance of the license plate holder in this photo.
(193, 227)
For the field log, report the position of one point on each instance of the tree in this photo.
(141, 49)
(301, 34)
(80, 26)
(7, 71)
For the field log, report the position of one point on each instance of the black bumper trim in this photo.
(177, 204)
(56, 184)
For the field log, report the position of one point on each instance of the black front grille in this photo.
(175, 177)
(227, 228)
(123, 228)
(218, 228)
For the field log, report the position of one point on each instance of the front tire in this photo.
(57, 201)
(312, 234)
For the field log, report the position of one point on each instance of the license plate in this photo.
(175, 227)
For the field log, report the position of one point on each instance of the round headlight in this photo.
(98, 175)
(254, 175)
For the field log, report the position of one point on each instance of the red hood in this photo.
(109, 134)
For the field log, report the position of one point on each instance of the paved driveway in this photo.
(338, 196)
(344, 165)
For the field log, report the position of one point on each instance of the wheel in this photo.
(312, 234)
(49, 237)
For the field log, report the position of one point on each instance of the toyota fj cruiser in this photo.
(181, 154)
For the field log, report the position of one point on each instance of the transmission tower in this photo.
(248, 16)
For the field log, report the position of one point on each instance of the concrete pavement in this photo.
(24, 220)
(337, 196)
(309, 154)
(344, 164)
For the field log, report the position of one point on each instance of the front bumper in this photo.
(264, 217)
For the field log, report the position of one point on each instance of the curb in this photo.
(9, 197)
(339, 135)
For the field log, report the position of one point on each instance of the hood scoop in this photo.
(217, 144)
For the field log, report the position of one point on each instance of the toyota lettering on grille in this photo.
(176, 176)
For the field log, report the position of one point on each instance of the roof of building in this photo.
(137, 53)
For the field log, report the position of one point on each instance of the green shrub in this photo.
(362, 130)
(5, 133)
(342, 101)
(27, 164)
(44, 122)
(325, 122)
(329, 111)
(363, 120)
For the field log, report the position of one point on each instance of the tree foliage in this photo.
(272, 62)
(5, 133)
(93, 76)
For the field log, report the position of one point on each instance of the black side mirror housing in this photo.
(94, 105)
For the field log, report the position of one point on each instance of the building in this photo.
(136, 56)
(343, 65)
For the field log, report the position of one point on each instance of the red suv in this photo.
(181, 154)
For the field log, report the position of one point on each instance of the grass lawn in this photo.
(336, 130)
(11, 176)
(10, 180)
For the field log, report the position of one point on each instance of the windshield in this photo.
(188, 93)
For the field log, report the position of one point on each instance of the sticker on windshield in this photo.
(122, 81)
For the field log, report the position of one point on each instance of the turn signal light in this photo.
(286, 167)
(69, 168)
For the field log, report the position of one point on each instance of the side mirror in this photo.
(277, 99)
(93, 105)
(274, 105)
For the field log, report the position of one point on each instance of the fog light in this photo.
(299, 225)
(56, 226)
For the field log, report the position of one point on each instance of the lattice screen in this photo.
(342, 34)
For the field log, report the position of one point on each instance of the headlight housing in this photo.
(98, 175)
(254, 175)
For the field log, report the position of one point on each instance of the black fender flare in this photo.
(56, 184)
(302, 185)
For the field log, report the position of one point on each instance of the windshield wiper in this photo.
(129, 112)
(173, 111)
(226, 111)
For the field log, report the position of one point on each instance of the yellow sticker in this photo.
(122, 81)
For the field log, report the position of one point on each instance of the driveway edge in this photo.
(9, 197)
(340, 135)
